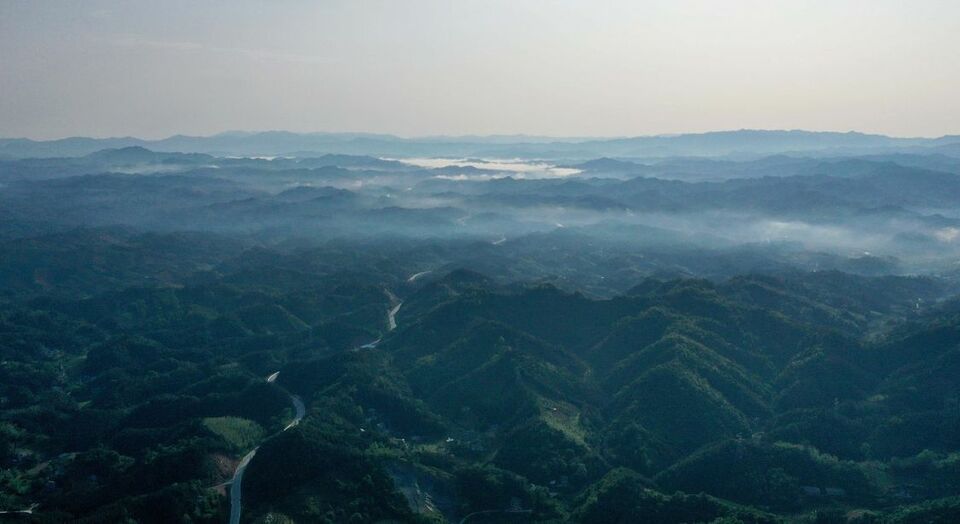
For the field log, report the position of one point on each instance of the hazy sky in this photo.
(420, 67)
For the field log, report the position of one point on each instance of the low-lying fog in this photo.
(902, 217)
(493, 168)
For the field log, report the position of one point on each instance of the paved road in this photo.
(236, 484)
(494, 511)
(300, 410)
(392, 317)
(391, 325)
(415, 276)
(28, 511)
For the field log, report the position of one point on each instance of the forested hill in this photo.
(193, 336)
(757, 398)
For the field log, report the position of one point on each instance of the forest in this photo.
(378, 338)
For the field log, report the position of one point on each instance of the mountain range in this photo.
(743, 143)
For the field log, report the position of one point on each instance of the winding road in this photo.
(415, 276)
(28, 511)
(299, 408)
(391, 322)
(493, 512)
(236, 483)
(392, 317)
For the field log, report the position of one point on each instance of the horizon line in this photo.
(480, 136)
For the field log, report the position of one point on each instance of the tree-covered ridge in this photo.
(761, 398)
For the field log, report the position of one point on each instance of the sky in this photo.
(457, 67)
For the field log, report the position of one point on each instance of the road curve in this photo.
(415, 276)
(236, 486)
(300, 410)
(392, 317)
(28, 511)
(494, 511)
(236, 483)
(391, 325)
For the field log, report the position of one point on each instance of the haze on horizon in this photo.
(430, 67)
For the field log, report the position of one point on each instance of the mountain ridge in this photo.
(713, 143)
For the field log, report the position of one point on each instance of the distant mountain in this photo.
(612, 167)
(349, 162)
(74, 146)
(606, 164)
(952, 149)
(272, 143)
(142, 155)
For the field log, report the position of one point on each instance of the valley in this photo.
(320, 344)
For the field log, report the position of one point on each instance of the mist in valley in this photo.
(480, 262)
